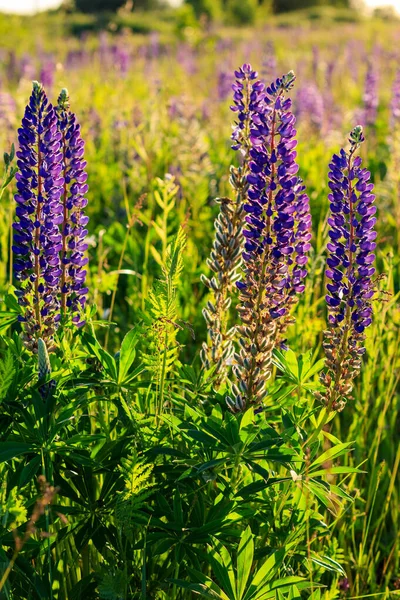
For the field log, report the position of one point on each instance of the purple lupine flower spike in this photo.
(37, 239)
(395, 103)
(74, 246)
(277, 239)
(371, 96)
(349, 271)
(225, 259)
(248, 101)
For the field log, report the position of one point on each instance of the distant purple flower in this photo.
(349, 269)
(47, 73)
(224, 85)
(329, 71)
(74, 246)
(7, 114)
(370, 97)
(395, 103)
(37, 239)
(310, 106)
(316, 59)
(122, 58)
(27, 69)
(269, 64)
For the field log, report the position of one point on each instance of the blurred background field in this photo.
(152, 89)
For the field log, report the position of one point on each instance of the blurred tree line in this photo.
(212, 9)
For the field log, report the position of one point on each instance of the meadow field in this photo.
(166, 433)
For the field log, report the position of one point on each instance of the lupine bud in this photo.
(74, 246)
(37, 239)
(349, 270)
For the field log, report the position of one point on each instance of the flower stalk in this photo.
(349, 271)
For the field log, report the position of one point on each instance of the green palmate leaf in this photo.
(327, 563)
(285, 585)
(209, 584)
(9, 450)
(335, 471)
(212, 591)
(106, 360)
(332, 453)
(222, 567)
(266, 572)
(244, 561)
(127, 355)
(7, 318)
(7, 372)
(227, 561)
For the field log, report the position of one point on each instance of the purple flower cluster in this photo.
(349, 271)
(248, 102)
(352, 239)
(74, 246)
(395, 102)
(278, 217)
(370, 97)
(42, 227)
(277, 231)
(37, 239)
(310, 106)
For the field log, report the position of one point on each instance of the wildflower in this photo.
(277, 236)
(74, 246)
(349, 271)
(269, 64)
(310, 106)
(395, 103)
(370, 97)
(225, 257)
(37, 239)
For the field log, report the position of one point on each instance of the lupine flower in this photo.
(349, 271)
(224, 85)
(316, 59)
(7, 115)
(310, 106)
(269, 62)
(37, 239)
(395, 103)
(370, 97)
(248, 101)
(74, 246)
(277, 240)
(47, 73)
(225, 257)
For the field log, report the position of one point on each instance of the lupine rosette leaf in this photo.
(349, 270)
(37, 239)
(74, 245)
(277, 239)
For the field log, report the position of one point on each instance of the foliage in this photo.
(94, 6)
